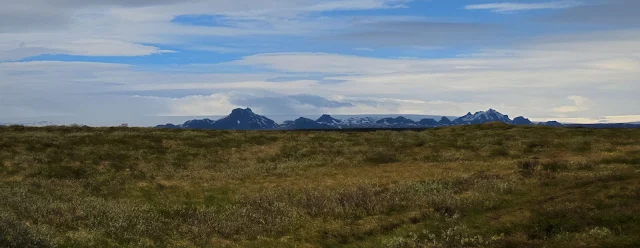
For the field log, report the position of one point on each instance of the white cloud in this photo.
(601, 119)
(104, 48)
(358, 5)
(580, 103)
(211, 105)
(136, 28)
(531, 80)
(514, 7)
(619, 119)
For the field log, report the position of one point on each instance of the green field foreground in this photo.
(468, 186)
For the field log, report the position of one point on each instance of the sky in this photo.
(100, 62)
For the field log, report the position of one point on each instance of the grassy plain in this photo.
(469, 186)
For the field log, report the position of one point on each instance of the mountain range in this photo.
(246, 119)
(30, 124)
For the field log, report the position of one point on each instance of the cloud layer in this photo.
(514, 7)
(127, 59)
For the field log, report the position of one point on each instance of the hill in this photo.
(492, 185)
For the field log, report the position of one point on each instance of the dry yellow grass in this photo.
(475, 186)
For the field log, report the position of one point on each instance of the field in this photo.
(469, 186)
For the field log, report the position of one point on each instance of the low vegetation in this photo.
(467, 186)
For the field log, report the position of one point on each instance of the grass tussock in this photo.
(466, 186)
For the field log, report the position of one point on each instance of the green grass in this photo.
(467, 186)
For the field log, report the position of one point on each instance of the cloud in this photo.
(619, 119)
(198, 105)
(25, 52)
(276, 105)
(139, 28)
(290, 104)
(359, 4)
(328, 63)
(419, 33)
(619, 13)
(515, 7)
(591, 64)
(593, 58)
(580, 104)
(530, 79)
(601, 119)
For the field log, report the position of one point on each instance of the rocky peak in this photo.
(327, 119)
(520, 120)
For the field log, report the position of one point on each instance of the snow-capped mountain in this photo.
(480, 117)
(398, 121)
(245, 119)
(198, 124)
(359, 121)
(305, 123)
(328, 120)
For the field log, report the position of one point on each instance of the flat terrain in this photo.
(469, 186)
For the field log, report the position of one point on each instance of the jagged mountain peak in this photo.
(240, 111)
(400, 120)
(246, 119)
(303, 119)
(480, 117)
(305, 123)
(327, 119)
(445, 121)
(239, 119)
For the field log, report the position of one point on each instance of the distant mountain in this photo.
(359, 122)
(445, 122)
(604, 125)
(169, 126)
(239, 119)
(398, 121)
(521, 121)
(481, 117)
(305, 123)
(31, 124)
(428, 122)
(552, 124)
(199, 124)
(246, 119)
(328, 120)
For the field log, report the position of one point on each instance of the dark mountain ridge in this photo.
(246, 119)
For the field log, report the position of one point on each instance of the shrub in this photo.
(15, 234)
(554, 166)
(381, 156)
(63, 172)
(584, 165)
(499, 152)
(454, 235)
(527, 167)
